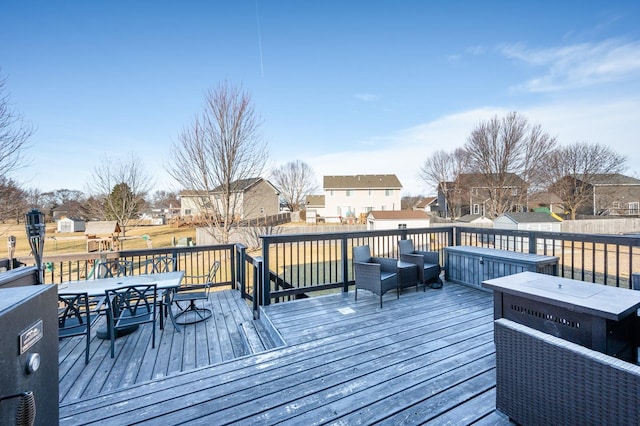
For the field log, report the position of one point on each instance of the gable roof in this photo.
(425, 202)
(605, 179)
(470, 218)
(108, 227)
(240, 185)
(361, 182)
(398, 214)
(531, 217)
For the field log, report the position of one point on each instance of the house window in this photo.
(514, 191)
(331, 192)
(348, 192)
(368, 209)
(634, 207)
(616, 204)
(370, 192)
(388, 192)
(476, 209)
(187, 212)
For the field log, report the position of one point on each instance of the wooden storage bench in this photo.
(472, 265)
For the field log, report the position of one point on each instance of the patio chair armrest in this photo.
(365, 272)
(387, 264)
(429, 256)
(416, 259)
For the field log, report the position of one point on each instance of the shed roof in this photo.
(470, 218)
(531, 217)
(362, 182)
(398, 214)
(315, 200)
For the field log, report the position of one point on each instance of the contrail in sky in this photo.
(259, 41)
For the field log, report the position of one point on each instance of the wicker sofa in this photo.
(544, 380)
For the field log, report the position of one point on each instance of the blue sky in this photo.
(347, 86)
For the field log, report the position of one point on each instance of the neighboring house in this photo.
(428, 204)
(356, 196)
(71, 224)
(610, 194)
(546, 201)
(397, 219)
(69, 209)
(250, 198)
(472, 193)
(532, 221)
(160, 214)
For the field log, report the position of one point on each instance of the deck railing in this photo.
(195, 260)
(301, 265)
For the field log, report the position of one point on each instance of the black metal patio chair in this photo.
(130, 307)
(193, 288)
(75, 317)
(160, 265)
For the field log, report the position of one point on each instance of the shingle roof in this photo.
(362, 182)
(531, 217)
(425, 202)
(398, 214)
(239, 185)
(315, 200)
(612, 179)
(102, 228)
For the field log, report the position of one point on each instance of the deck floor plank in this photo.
(426, 357)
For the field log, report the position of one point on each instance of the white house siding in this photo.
(345, 202)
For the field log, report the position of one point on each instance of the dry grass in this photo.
(62, 243)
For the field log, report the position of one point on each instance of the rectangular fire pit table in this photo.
(598, 317)
(471, 265)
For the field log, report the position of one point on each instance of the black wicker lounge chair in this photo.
(376, 274)
(428, 263)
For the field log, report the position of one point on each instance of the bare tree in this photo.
(503, 147)
(572, 169)
(220, 147)
(14, 135)
(13, 201)
(442, 170)
(118, 190)
(295, 180)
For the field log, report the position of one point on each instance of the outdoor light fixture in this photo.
(34, 223)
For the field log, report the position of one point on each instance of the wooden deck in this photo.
(427, 357)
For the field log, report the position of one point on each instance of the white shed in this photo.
(70, 224)
(395, 219)
(532, 221)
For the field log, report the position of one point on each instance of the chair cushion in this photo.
(431, 270)
(386, 275)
